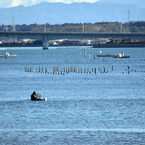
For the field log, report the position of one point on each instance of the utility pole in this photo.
(14, 29)
(121, 28)
(83, 28)
(44, 27)
(128, 15)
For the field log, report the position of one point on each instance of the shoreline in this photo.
(118, 45)
(93, 45)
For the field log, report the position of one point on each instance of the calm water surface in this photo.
(81, 108)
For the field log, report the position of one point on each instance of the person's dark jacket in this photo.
(33, 97)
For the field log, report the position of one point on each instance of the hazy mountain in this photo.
(140, 3)
(56, 13)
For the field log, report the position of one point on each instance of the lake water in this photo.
(81, 108)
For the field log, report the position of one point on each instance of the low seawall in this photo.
(117, 45)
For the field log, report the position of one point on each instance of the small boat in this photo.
(37, 97)
(105, 55)
(121, 55)
(40, 99)
(8, 55)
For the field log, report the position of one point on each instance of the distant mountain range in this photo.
(59, 13)
(140, 3)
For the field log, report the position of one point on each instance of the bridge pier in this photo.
(45, 42)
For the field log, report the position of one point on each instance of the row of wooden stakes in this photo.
(67, 69)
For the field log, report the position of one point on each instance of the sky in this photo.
(13, 3)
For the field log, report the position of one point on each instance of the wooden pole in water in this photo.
(53, 69)
(69, 68)
(94, 56)
(128, 69)
(46, 69)
(57, 69)
(76, 69)
(61, 71)
(84, 69)
(95, 70)
(104, 70)
(79, 69)
(39, 69)
(85, 52)
(101, 70)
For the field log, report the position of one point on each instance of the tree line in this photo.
(105, 27)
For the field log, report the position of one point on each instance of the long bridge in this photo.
(45, 36)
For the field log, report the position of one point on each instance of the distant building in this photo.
(70, 42)
(100, 41)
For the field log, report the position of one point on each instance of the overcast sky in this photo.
(13, 3)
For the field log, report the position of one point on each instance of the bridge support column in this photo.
(45, 43)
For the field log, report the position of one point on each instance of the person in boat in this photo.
(33, 96)
(36, 96)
